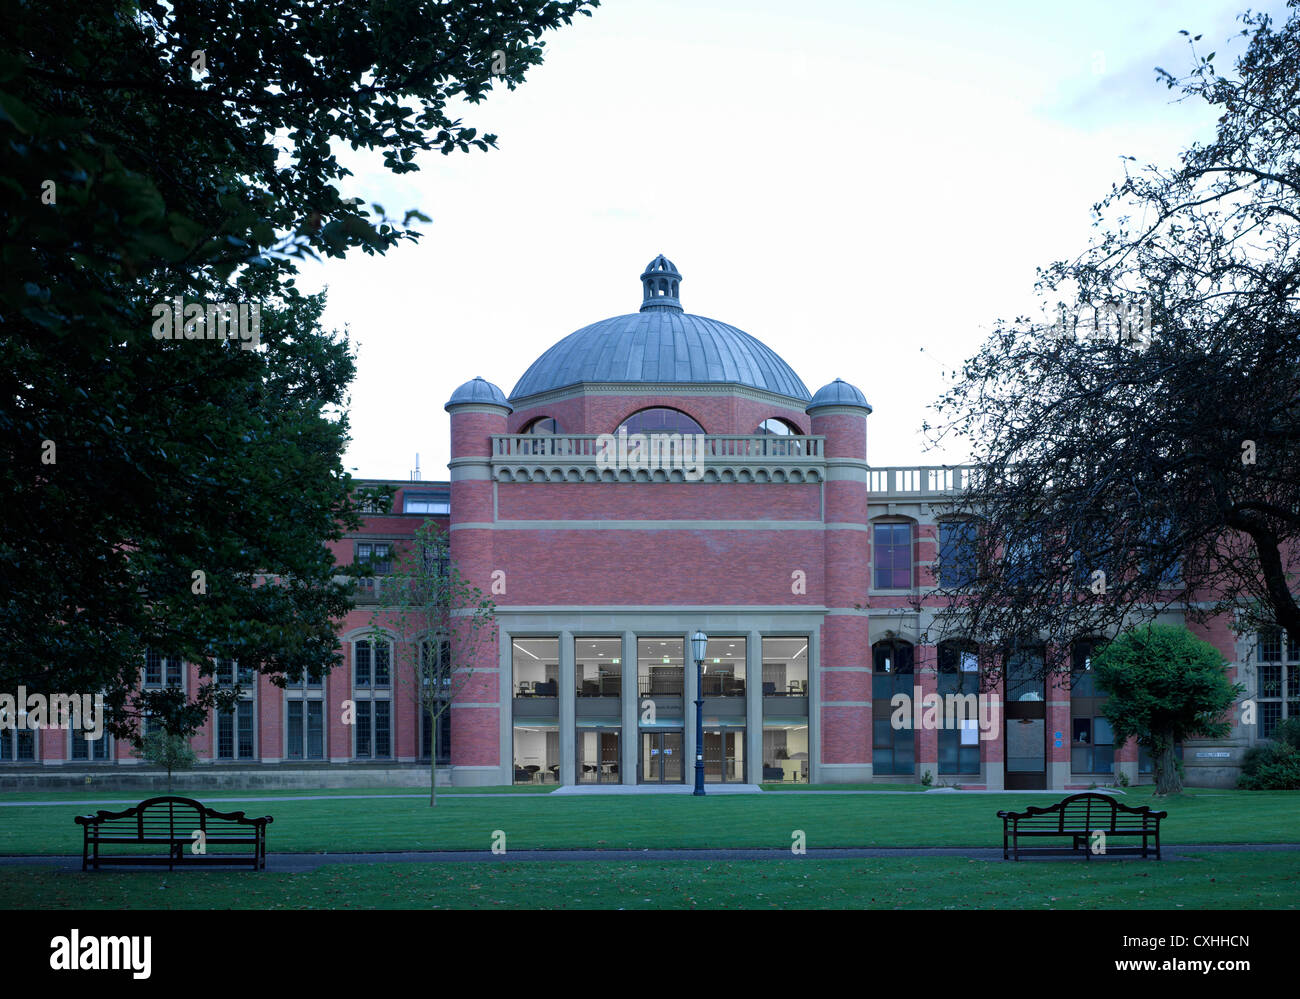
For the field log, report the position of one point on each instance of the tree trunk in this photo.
(1168, 779)
(433, 757)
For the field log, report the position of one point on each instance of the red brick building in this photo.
(656, 474)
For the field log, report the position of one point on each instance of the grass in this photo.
(1210, 881)
(468, 822)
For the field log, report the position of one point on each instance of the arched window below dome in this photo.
(659, 420)
(774, 426)
(541, 425)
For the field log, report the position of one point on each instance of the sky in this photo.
(866, 187)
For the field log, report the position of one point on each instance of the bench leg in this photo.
(1004, 838)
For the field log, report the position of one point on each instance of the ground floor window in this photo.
(959, 746)
(305, 731)
(235, 732)
(785, 753)
(1092, 743)
(444, 736)
(89, 750)
(1278, 686)
(17, 745)
(893, 750)
(724, 755)
(537, 754)
(598, 757)
(373, 730)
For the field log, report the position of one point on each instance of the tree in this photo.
(178, 494)
(168, 750)
(1164, 685)
(1140, 448)
(441, 625)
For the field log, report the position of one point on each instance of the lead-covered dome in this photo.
(661, 343)
(478, 391)
(838, 393)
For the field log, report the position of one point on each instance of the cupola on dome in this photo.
(660, 344)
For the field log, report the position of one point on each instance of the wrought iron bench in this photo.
(1078, 817)
(185, 826)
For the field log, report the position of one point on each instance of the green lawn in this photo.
(1211, 881)
(467, 822)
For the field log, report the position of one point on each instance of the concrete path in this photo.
(567, 790)
(295, 863)
(562, 791)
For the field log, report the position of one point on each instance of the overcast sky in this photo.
(863, 186)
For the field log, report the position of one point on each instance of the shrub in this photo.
(1288, 732)
(1271, 767)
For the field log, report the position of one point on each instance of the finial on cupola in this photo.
(659, 285)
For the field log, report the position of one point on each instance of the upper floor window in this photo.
(378, 554)
(659, 420)
(775, 425)
(892, 545)
(429, 504)
(1023, 559)
(228, 673)
(161, 671)
(957, 553)
(541, 425)
(1278, 691)
(372, 663)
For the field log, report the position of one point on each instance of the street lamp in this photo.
(699, 645)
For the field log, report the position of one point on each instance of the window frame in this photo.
(876, 547)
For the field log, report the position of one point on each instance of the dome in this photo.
(838, 393)
(478, 390)
(661, 343)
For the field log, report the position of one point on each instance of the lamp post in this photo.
(699, 645)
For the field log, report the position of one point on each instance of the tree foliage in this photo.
(1139, 449)
(189, 149)
(1164, 686)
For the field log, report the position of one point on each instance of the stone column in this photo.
(568, 711)
(754, 707)
(631, 741)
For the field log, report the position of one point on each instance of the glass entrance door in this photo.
(661, 758)
(597, 756)
(724, 755)
(1026, 724)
